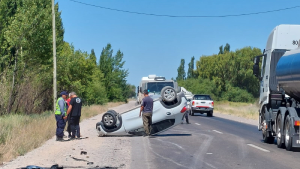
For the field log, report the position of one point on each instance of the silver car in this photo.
(167, 112)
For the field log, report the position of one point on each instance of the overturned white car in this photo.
(168, 109)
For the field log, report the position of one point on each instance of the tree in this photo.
(227, 48)
(93, 57)
(181, 71)
(114, 73)
(221, 50)
(190, 73)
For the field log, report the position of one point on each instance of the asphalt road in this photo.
(210, 142)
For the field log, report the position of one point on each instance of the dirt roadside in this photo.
(111, 152)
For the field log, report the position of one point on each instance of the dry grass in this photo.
(20, 133)
(245, 110)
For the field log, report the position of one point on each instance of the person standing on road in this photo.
(60, 114)
(147, 109)
(186, 114)
(75, 112)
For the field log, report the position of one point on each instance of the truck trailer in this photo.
(280, 87)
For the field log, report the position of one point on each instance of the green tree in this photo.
(181, 71)
(227, 48)
(114, 73)
(93, 57)
(221, 50)
(191, 73)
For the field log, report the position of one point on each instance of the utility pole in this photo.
(54, 57)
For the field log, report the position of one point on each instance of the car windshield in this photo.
(157, 86)
(202, 97)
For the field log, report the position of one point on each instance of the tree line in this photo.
(225, 76)
(26, 62)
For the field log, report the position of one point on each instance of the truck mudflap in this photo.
(296, 140)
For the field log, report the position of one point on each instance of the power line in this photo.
(187, 16)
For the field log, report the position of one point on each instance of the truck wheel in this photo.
(109, 119)
(267, 139)
(210, 114)
(287, 134)
(168, 94)
(279, 133)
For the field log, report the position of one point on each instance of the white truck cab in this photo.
(282, 38)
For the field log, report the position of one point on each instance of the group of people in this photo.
(68, 109)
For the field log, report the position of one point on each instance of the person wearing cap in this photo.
(147, 109)
(60, 113)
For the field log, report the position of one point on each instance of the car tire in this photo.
(279, 133)
(210, 114)
(109, 119)
(287, 134)
(168, 94)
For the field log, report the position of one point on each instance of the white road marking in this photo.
(209, 153)
(217, 131)
(254, 146)
(197, 124)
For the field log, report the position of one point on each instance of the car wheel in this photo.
(109, 119)
(279, 132)
(288, 134)
(210, 114)
(168, 94)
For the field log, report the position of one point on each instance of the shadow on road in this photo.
(159, 135)
(201, 115)
(283, 148)
(170, 135)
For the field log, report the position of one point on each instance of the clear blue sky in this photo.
(155, 45)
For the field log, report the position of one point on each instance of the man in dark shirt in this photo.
(75, 112)
(147, 109)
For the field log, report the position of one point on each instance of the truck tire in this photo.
(109, 119)
(288, 134)
(270, 139)
(267, 137)
(210, 113)
(279, 133)
(168, 94)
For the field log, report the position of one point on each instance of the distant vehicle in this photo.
(279, 113)
(189, 95)
(167, 113)
(154, 84)
(202, 104)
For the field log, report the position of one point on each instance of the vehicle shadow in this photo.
(201, 115)
(158, 135)
(275, 143)
(172, 135)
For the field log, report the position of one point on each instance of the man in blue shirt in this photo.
(147, 109)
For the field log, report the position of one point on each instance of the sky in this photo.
(155, 45)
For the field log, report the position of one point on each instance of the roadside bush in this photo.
(236, 94)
